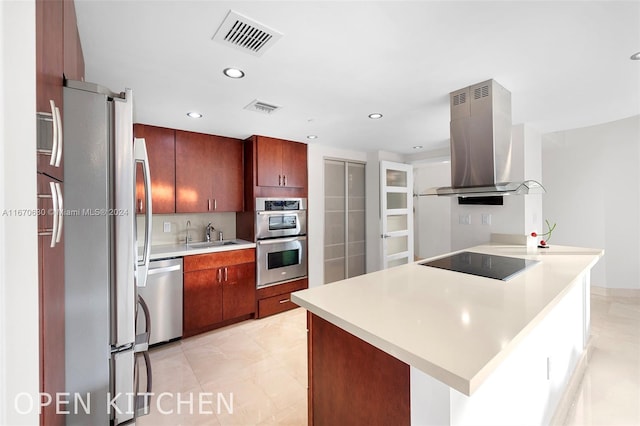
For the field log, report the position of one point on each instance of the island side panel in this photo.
(351, 382)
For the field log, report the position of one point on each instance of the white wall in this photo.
(315, 221)
(432, 214)
(18, 242)
(520, 214)
(593, 191)
(225, 222)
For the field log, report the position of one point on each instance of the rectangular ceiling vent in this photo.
(262, 107)
(245, 34)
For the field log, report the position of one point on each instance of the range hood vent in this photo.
(245, 34)
(481, 159)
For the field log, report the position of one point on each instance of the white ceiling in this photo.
(566, 64)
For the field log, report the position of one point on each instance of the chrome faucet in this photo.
(188, 237)
(208, 232)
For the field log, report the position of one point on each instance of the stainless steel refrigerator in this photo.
(103, 268)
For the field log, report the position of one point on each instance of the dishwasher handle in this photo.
(163, 270)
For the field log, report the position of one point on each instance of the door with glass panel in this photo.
(344, 220)
(396, 213)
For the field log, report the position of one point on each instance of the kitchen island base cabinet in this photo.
(219, 289)
(351, 382)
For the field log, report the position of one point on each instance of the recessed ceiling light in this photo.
(194, 114)
(312, 137)
(233, 72)
(636, 56)
(375, 116)
(417, 147)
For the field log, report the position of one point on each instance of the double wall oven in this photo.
(281, 240)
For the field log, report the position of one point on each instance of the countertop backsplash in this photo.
(225, 222)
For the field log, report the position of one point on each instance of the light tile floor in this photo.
(609, 393)
(263, 364)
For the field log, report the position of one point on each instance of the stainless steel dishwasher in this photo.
(163, 295)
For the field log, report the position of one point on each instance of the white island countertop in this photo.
(452, 326)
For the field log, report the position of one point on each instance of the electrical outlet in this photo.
(167, 226)
(464, 219)
(486, 218)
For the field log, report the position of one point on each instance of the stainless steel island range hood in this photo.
(481, 159)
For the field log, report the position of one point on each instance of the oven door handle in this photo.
(281, 240)
(279, 212)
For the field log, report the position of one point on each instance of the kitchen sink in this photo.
(206, 244)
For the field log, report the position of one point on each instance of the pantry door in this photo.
(396, 213)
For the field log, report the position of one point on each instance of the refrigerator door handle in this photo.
(142, 337)
(140, 150)
(142, 402)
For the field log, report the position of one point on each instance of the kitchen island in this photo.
(420, 345)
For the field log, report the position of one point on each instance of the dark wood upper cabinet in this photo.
(161, 145)
(73, 61)
(209, 173)
(49, 53)
(280, 163)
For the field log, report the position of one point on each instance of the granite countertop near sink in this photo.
(178, 250)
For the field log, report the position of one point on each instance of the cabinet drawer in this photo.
(275, 304)
(216, 260)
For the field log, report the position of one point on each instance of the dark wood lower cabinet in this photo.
(352, 382)
(277, 298)
(51, 304)
(219, 288)
(202, 300)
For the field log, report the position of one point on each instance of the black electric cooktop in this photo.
(485, 265)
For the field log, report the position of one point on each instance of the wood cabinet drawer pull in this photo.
(283, 301)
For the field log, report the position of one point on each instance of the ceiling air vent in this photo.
(245, 34)
(262, 107)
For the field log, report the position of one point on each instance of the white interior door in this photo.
(396, 214)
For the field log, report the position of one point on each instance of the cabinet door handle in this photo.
(226, 274)
(139, 205)
(56, 217)
(279, 180)
(284, 180)
(219, 274)
(54, 138)
(208, 205)
(283, 301)
(60, 212)
(59, 147)
(215, 204)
